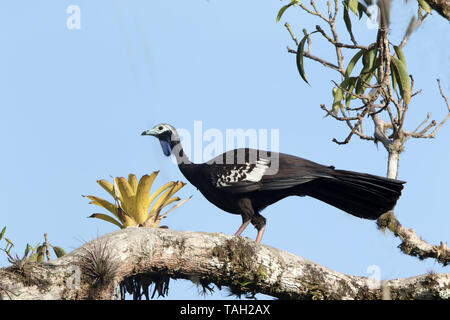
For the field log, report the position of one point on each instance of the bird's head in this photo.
(167, 136)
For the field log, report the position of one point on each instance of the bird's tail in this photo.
(360, 194)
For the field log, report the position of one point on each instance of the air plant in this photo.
(98, 263)
(133, 203)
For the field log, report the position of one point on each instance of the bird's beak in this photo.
(150, 132)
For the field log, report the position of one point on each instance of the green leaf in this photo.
(27, 249)
(367, 71)
(40, 254)
(400, 54)
(348, 22)
(369, 58)
(362, 9)
(283, 9)
(59, 252)
(403, 79)
(33, 257)
(353, 5)
(338, 94)
(9, 242)
(425, 6)
(352, 62)
(393, 77)
(348, 97)
(299, 57)
(2, 233)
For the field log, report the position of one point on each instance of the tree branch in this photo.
(224, 260)
(441, 6)
(411, 244)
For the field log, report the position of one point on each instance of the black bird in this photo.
(245, 181)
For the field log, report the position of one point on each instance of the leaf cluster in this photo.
(133, 204)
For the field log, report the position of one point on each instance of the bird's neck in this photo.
(185, 165)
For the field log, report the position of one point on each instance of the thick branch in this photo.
(441, 6)
(209, 258)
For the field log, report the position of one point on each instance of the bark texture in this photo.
(202, 258)
(441, 6)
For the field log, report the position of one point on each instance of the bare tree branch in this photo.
(423, 133)
(413, 245)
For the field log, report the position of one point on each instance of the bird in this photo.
(245, 181)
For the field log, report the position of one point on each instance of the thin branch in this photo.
(423, 133)
(335, 116)
(288, 27)
(339, 44)
(315, 12)
(315, 58)
(412, 26)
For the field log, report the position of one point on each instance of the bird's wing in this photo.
(240, 178)
(279, 171)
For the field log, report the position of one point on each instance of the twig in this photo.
(422, 134)
(345, 118)
(337, 43)
(315, 58)
(288, 27)
(412, 26)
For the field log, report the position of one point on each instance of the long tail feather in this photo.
(360, 194)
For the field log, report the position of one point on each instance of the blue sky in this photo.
(74, 103)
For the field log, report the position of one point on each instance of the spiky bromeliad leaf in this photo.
(161, 202)
(142, 196)
(107, 186)
(133, 200)
(158, 219)
(107, 218)
(132, 180)
(402, 78)
(127, 199)
(104, 204)
(157, 206)
(160, 190)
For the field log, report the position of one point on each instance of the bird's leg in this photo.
(246, 211)
(260, 234)
(260, 224)
(242, 227)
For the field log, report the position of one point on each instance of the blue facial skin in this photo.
(165, 147)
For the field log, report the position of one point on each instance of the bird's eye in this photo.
(160, 128)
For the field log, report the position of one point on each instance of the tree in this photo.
(134, 258)
(383, 87)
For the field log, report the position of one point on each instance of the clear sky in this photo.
(74, 102)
